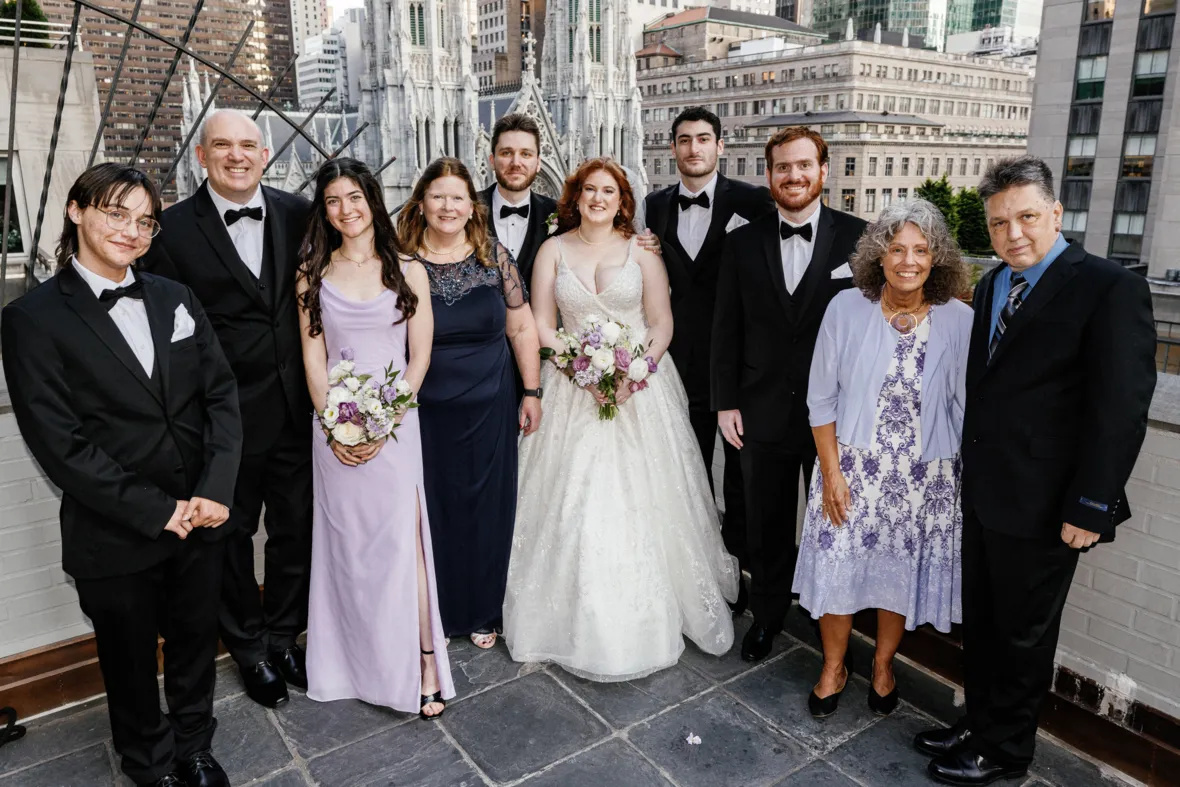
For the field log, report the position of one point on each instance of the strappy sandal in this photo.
(488, 637)
(12, 731)
(431, 699)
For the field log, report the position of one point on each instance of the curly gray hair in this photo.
(948, 274)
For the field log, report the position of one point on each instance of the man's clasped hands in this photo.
(198, 512)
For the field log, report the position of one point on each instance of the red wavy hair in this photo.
(568, 217)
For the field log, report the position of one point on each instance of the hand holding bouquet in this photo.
(360, 409)
(603, 356)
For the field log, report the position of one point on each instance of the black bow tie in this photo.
(522, 211)
(700, 200)
(232, 216)
(786, 231)
(109, 298)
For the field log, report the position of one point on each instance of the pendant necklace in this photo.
(358, 263)
(901, 320)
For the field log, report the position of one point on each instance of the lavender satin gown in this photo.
(362, 633)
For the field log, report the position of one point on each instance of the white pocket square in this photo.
(843, 272)
(182, 324)
(735, 222)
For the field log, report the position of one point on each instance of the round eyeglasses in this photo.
(121, 219)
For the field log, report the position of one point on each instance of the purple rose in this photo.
(346, 354)
(622, 359)
(581, 363)
(388, 394)
(652, 366)
(348, 413)
(595, 339)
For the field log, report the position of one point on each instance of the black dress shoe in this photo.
(292, 665)
(743, 598)
(964, 767)
(882, 706)
(168, 780)
(942, 741)
(822, 707)
(265, 685)
(201, 770)
(758, 642)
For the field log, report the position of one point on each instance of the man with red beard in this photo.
(778, 274)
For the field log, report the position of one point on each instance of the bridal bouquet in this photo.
(602, 354)
(360, 408)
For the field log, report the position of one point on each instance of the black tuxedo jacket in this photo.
(258, 331)
(540, 208)
(763, 337)
(694, 281)
(1054, 421)
(122, 446)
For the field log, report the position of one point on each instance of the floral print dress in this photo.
(899, 548)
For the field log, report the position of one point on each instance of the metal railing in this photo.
(54, 35)
(1167, 346)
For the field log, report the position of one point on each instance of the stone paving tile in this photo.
(315, 727)
(288, 778)
(246, 742)
(522, 726)
(722, 668)
(89, 767)
(623, 704)
(779, 692)
(613, 764)
(817, 774)
(473, 669)
(412, 755)
(229, 680)
(736, 746)
(56, 735)
(1057, 765)
(882, 755)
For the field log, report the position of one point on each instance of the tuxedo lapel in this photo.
(722, 213)
(1057, 276)
(92, 312)
(486, 199)
(213, 228)
(666, 227)
(977, 351)
(773, 252)
(820, 266)
(161, 320)
(276, 226)
(532, 239)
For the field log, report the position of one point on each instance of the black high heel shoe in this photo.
(882, 706)
(822, 707)
(430, 699)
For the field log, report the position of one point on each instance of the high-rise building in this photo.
(351, 25)
(221, 23)
(322, 67)
(500, 29)
(308, 18)
(1106, 86)
(932, 19)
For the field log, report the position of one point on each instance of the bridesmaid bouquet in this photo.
(602, 354)
(360, 408)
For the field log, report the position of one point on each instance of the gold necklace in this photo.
(449, 253)
(591, 242)
(903, 321)
(358, 263)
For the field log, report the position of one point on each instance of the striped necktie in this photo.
(1015, 298)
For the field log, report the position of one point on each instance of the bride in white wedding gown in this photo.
(617, 551)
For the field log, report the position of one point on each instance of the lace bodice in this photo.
(621, 300)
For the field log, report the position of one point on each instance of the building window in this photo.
(870, 200)
(1151, 68)
(933, 167)
(850, 165)
(975, 165)
(1138, 154)
(889, 166)
(886, 198)
(723, 110)
(921, 168)
(659, 166)
(825, 196)
(1091, 79)
(905, 165)
(1097, 10)
(872, 165)
(1079, 156)
(848, 200)
(1073, 221)
(1127, 237)
(903, 195)
(1158, 6)
(741, 166)
(671, 166)
(962, 167)
(723, 166)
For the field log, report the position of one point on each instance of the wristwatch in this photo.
(533, 392)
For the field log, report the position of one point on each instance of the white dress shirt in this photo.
(512, 230)
(246, 234)
(693, 224)
(796, 252)
(128, 314)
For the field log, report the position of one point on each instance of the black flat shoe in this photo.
(969, 769)
(291, 663)
(168, 780)
(201, 770)
(430, 699)
(882, 706)
(822, 707)
(757, 643)
(265, 685)
(743, 599)
(936, 743)
(12, 731)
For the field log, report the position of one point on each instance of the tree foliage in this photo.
(971, 232)
(942, 196)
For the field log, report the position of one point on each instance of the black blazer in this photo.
(260, 339)
(694, 282)
(763, 337)
(540, 208)
(1055, 420)
(123, 447)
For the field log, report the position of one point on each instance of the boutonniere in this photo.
(551, 222)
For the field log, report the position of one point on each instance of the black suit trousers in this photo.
(176, 599)
(771, 473)
(1014, 591)
(733, 525)
(254, 623)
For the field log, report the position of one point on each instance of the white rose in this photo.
(589, 350)
(337, 374)
(603, 360)
(329, 416)
(402, 388)
(348, 433)
(373, 406)
(611, 332)
(591, 320)
(338, 396)
(352, 384)
(638, 370)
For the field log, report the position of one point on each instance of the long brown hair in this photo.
(568, 217)
(411, 222)
(322, 239)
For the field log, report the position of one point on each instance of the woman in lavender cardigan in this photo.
(886, 397)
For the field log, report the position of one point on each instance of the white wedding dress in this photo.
(617, 550)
